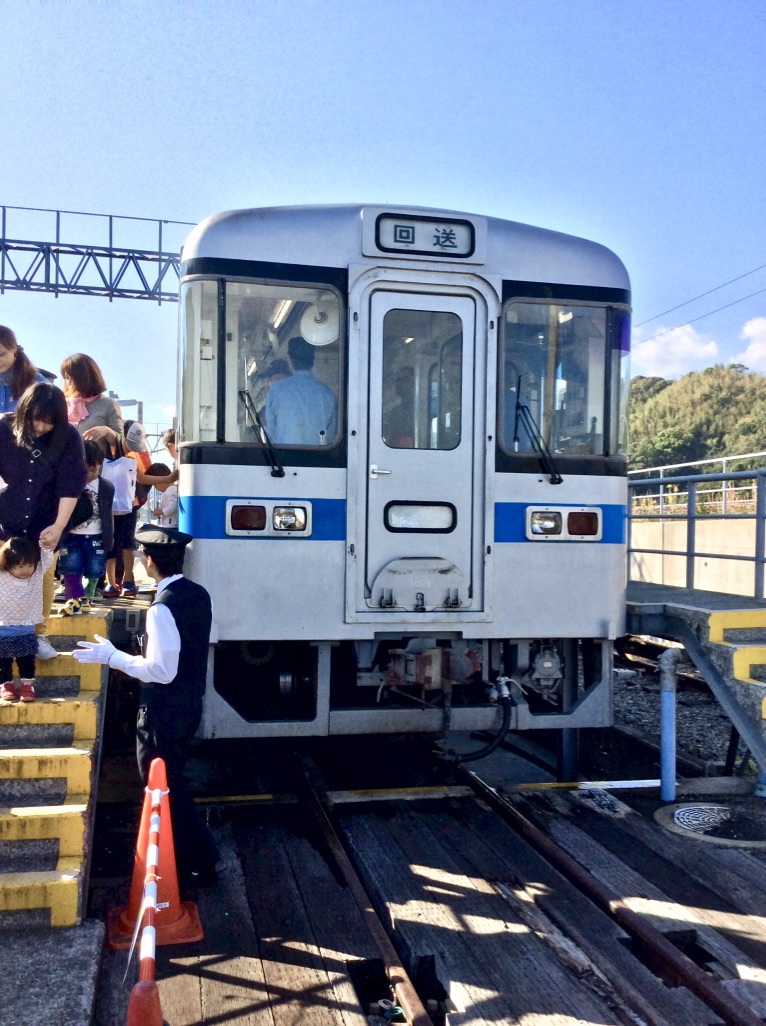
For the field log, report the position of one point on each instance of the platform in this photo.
(724, 636)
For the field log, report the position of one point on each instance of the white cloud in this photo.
(675, 353)
(754, 357)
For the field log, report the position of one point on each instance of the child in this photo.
(167, 511)
(22, 565)
(90, 536)
(169, 441)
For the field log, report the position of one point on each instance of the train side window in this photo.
(283, 364)
(199, 361)
(422, 371)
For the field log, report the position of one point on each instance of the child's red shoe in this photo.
(7, 692)
(26, 690)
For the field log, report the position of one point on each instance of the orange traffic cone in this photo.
(177, 922)
(144, 1008)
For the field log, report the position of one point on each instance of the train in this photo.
(402, 454)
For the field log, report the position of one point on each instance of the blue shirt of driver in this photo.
(300, 411)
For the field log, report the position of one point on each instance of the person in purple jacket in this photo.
(42, 472)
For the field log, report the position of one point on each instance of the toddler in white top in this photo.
(167, 510)
(22, 566)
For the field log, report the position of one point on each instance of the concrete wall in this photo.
(725, 537)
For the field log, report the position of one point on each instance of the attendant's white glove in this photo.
(100, 651)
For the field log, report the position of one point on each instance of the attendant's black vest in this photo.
(191, 608)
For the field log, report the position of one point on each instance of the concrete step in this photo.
(49, 753)
(42, 766)
(48, 722)
(745, 626)
(39, 898)
(64, 824)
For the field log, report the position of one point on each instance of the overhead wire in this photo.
(701, 316)
(702, 296)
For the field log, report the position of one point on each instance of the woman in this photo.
(17, 372)
(42, 465)
(84, 387)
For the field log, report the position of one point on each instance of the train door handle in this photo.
(376, 471)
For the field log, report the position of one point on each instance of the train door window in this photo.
(283, 364)
(199, 363)
(422, 379)
(555, 361)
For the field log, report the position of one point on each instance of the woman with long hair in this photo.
(42, 465)
(17, 372)
(84, 387)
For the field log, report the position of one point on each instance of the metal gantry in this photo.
(65, 267)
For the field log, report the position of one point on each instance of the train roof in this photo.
(331, 236)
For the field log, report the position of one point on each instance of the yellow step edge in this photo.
(743, 658)
(46, 823)
(57, 891)
(68, 864)
(81, 712)
(74, 764)
(730, 619)
(91, 675)
(85, 625)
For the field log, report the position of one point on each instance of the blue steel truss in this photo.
(65, 267)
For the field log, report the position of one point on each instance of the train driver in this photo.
(300, 410)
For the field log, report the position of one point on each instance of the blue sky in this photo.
(637, 123)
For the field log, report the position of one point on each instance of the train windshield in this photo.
(568, 365)
(280, 370)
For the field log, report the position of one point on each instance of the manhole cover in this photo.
(701, 818)
(741, 826)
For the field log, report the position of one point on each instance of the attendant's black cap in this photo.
(153, 536)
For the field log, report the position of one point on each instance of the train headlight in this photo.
(545, 522)
(564, 524)
(289, 518)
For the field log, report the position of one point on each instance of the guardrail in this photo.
(699, 500)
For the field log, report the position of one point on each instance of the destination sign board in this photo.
(425, 236)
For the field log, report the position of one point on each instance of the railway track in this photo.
(459, 905)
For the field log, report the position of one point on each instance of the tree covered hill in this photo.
(720, 411)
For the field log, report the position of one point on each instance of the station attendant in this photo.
(172, 673)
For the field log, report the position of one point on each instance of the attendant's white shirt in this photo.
(163, 645)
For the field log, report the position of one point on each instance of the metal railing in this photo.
(726, 496)
(132, 261)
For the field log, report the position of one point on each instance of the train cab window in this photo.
(199, 361)
(562, 363)
(422, 379)
(283, 365)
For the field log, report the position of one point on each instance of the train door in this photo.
(421, 521)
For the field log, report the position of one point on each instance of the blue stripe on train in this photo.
(510, 523)
(204, 516)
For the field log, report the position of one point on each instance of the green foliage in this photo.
(720, 411)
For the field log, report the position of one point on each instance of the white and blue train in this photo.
(402, 459)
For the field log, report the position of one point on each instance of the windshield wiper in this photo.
(524, 417)
(251, 414)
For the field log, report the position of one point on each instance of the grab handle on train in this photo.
(376, 471)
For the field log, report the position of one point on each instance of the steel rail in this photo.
(731, 1010)
(406, 995)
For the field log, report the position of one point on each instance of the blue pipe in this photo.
(668, 664)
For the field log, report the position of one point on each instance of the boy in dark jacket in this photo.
(89, 537)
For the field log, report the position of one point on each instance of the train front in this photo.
(403, 464)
